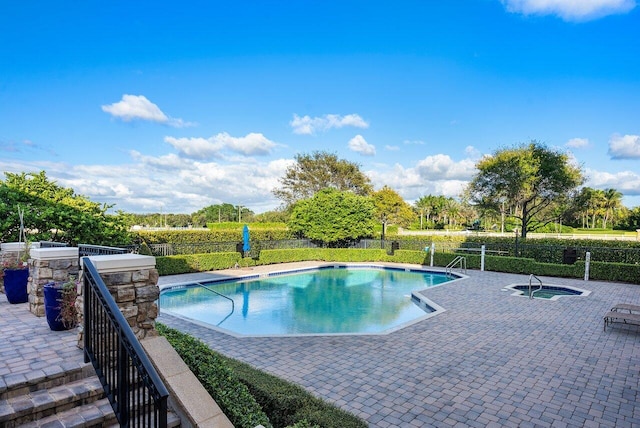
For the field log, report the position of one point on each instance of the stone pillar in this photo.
(55, 264)
(10, 252)
(132, 281)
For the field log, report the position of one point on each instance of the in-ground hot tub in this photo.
(545, 291)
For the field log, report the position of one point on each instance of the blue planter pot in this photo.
(15, 285)
(52, 298)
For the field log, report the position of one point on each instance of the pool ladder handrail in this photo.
(233, 304)
(459, 260)
(530, 285)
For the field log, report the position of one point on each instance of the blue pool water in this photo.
(322, 301)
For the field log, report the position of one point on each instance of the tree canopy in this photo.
(333, 217)
(391, 208)
(55, 213)
(529, 178)
(320, 170)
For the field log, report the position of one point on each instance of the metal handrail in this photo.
(530, 281)
(461, 260)
(131, 383)
(233, 304)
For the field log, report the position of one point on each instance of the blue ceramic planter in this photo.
(15, 285)
(52, 298)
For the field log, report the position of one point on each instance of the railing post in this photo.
(482, 253)
(87, 316)
(124, 387)
(587, 263)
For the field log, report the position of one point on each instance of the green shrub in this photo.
(211, 236)
(218, 379)
(188, 263)
(613, 272)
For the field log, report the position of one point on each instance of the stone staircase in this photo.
(72, 398)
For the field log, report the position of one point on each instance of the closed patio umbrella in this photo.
(246, 245)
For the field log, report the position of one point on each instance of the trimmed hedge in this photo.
(218, 379)
(189, 263)
(249, 396)
(209, 236)
(213, 261)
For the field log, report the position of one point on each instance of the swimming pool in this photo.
(325, 300)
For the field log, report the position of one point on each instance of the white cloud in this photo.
(577, 143)
(207, 148)
(435, 175)
(624, 147)
(307, 125)
(138, 107)
(414, 142)
(392, 148)
(251, 144)
(627, 182)
(570, 10)
(439, 167)
(359, 145)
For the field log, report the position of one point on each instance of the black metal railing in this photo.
(132, 385)
(99, 250)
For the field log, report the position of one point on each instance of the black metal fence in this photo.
(132, 385)
(99, 250)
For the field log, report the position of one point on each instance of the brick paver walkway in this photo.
(29, 349)
(491, 359)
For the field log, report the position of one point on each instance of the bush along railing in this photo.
(131, 383)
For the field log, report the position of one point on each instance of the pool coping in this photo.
(416, 295)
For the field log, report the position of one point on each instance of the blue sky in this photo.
(168, 106)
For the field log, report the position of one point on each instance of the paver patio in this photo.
(491, 359)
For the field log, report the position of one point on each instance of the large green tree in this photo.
(53, 212)
(320, 170)
(391, 208)
(530, 178)
(333, 217)
(221, 213)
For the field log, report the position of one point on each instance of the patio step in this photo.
(73, 398)
(43, 400)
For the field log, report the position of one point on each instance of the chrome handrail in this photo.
(462, 261)
(530, 281)
(233, 304)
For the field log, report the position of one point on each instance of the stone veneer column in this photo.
(9, 252)
(132, 281)
(56, 264)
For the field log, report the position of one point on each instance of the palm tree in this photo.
(612, 203)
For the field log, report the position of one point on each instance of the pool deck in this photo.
(491, 359)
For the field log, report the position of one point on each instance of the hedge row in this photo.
(218, 379)
(214, 261)
(250, 397)
(205, 236)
